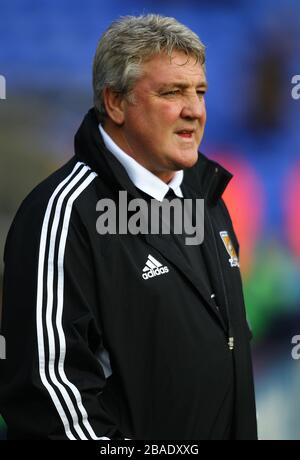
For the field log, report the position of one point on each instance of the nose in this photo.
(194, 107)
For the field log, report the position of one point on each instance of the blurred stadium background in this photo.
(253, 49)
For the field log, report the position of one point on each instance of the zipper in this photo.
(230, 329)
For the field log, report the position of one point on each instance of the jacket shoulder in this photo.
(55, 191)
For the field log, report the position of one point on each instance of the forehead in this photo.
(163, 69)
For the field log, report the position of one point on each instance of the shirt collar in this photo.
(142, 178)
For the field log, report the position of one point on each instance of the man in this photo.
(139, 336)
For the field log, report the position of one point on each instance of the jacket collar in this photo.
(207, 178)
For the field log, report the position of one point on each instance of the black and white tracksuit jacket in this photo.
(95, 350)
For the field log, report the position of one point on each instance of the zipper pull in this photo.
(231, 343)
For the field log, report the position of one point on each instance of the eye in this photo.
(201, 92)
(174, 92)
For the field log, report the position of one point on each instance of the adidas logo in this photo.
(153, 268)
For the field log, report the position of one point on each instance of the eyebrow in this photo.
(181, 85)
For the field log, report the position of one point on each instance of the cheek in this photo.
(168, 115)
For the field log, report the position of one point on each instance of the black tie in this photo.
(170, 195)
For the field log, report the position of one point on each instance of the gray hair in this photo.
(129, 42)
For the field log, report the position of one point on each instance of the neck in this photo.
(116, 133)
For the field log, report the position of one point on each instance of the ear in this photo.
(114, 105)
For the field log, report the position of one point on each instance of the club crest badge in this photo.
(234, 261)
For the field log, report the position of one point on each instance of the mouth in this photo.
(185, 133)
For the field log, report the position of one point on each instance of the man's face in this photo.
(164, 125)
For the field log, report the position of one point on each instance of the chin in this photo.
(188, 161)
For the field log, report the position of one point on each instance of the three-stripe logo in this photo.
(50, 305)
(153, 268)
